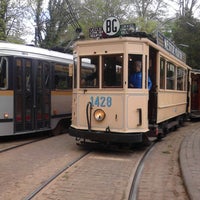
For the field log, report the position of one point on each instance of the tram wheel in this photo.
(145, 140)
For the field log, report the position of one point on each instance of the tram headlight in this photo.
(6, 116)
(99, 115)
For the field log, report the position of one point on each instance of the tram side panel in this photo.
(137, 112)
(61, 108)
(112, 105)
(124, 113)
(170, 105)
(6, 112)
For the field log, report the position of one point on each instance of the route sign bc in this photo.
(111, 27)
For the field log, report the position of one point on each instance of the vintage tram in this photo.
(106, 107)
(35, 89)
(195, 94)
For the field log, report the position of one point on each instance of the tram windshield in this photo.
(111, 70)
(89, 72)
(3, 72)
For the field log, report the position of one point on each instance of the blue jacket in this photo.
(136, 80)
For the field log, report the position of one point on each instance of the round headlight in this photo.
(99, 115)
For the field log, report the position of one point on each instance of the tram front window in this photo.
(112, 70)
(89, 72)
(3, 72)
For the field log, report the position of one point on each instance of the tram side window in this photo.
(185, 80)
(47, 75)
(162, 74)
(170, 76)
(75, 73)
(28, 74)
(135, 71)
(112, 71)
(180, 78)
(89, 72)
(3, 73)
(19, 72)
(62, 79)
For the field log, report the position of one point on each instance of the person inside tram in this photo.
(136, 77)
(89, 80)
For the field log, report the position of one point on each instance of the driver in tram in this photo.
(136, 77)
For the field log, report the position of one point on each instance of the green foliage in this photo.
(186, 34)
(143, 25)
(94, 12)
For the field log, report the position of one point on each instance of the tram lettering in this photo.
(101, 101)
(110, 26)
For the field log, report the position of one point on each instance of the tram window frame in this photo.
(3, 73)
(171, 76)
(19, 72)
(180, 78)
(89, 71)
(132, 58)
(162, 73)
(28, 81)
(62, 78)
(185, 80)
(112, 70)
(75, 72)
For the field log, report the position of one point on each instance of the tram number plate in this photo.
(101, 101)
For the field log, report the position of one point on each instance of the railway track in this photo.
(135, 184)
(116, 172)
(53, 177)
(19, 143)
(139, 160)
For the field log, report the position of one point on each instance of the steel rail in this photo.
(53, 177)
(135, 183)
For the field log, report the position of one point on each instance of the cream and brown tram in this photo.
(35, 89)
(105, 108)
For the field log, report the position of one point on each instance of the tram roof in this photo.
(11, 49)
(144, 39)
(195, 71)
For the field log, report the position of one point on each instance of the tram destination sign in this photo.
(111, 27)
(170, 47)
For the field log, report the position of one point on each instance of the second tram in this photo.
(195, 94)
(35, 89)
(107, 107)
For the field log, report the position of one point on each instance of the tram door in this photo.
(152, 104)
(195, 92)
(31, 95)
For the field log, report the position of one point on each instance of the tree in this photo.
(187, 7)
(11, 20)
(148, 14)
(186, 34)
(3, 11)
(92, 13)
(53, 23)
(185, 31)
